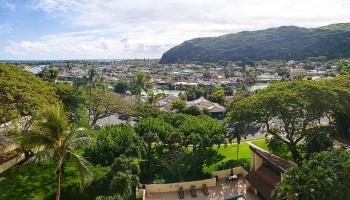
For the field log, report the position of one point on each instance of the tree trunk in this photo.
(94, 120)
(238, 143)
(89, 106)
(295, 154)
(149, 160)
(58, 179)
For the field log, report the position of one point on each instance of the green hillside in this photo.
(286, 42)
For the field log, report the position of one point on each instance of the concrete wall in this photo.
(174, 187)
(227, 172)
(256, 161)
(141, 194)
(7, 165)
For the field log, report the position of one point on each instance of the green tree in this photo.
(140, 83)
(152, 130)
(112, 142)
(121, 87)
(22, 94)
(318, 140)
(341, 112)
(49, 74)
(178, 105)
(294, 106)
(218, 96)
(277, 147)
(192, 110)
(91, 80)
(74, 102)
(345, 70)
(55, 140)
(123, 177)
(153, 98)
(106, 103)
(202, 132)
(325, 176)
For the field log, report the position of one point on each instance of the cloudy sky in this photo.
(111, 29)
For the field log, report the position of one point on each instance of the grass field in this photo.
(37, 182)
(229, 152)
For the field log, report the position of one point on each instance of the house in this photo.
(216, 110)
(165, 103)
(266, 172)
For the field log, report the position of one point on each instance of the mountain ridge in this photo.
(284, 42)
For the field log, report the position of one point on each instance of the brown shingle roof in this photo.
(279, 163)
(203, 103)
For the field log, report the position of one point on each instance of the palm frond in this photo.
(85, 174)
(80, 142)
(41, 156)
(53, 120)
(76, 139)
(33, 139)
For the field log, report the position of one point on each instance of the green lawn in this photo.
(229, 152)
(37, 182)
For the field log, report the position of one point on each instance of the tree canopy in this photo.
(106, 103)
(286, 110)
(325, 176)
(112, 142)
(21, 93)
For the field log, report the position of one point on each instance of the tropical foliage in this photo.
(325, 176)
(55, 140)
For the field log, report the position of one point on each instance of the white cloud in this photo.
(85, 45)
(5, 4)
(146, 28)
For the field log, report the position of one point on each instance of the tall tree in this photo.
(74, 102)
(286, 110)
(124, 177)
(91, 80)
(153, 98)
(22, 94)
(106, 103)
(112, 142)
(325, 176)
(152, 130)
(140, 83)
(49, 74)
(57, 141)
(341, 113)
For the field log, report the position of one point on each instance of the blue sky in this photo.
(96, 29)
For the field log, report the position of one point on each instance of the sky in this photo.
(123, 29)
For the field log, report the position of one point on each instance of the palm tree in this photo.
(91, 79)
(55, 140)
(153, 98)
(140, 82)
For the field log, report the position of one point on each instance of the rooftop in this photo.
(277, 162)
(223, 190)
(203, 103)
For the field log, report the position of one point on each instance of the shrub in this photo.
(244, 162)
